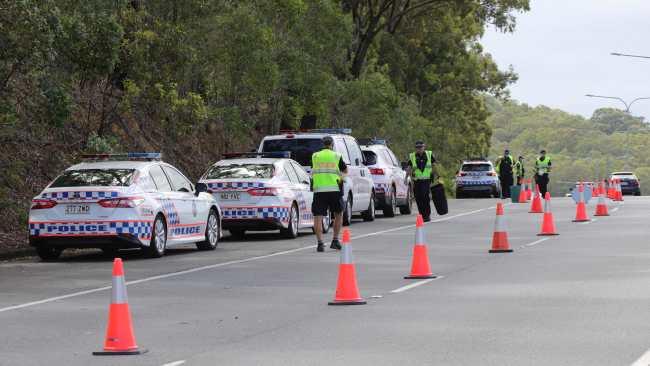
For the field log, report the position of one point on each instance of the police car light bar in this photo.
(372, 141)
(270, 154)
(127, 156)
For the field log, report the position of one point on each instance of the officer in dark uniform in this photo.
(505, 168)
(422, 170)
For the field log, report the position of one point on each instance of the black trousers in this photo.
(542, 181)
(422, 192)
(506, 182)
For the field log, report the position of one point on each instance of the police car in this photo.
(358, 187)
(262, 191)
(477, 177)
(117, 201)
(392, 183)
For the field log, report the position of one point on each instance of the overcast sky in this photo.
(561, 51)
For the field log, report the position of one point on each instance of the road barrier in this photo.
(347, 291)
(500, 236)
(420, 267)
(120, 339)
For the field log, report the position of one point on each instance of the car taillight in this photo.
(376, 171)
(462, 174)
(491, 174)
(263, 192)
(42, 204)
(124, 202)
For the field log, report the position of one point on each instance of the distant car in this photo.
(262, 192)
(477, 177)
(121, 201)
(358, 187)
(629, 182)
(392, 183)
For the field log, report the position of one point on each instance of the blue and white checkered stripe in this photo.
(280, 213)
(476, 182)
(225, 186)
(141, 229)
(170, 211)
(381, 187)
(79, 195)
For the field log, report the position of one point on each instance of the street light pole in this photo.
(627, 105)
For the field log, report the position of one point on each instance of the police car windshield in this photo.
(95, 178)
(476, 168)
(240, 171)
(301, 149)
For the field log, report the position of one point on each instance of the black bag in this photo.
(439, 199)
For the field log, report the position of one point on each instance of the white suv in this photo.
(392, 183)
(358, 188)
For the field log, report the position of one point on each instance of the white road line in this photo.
(217, 265)
(643, 360)
(615, 209)
(534, 243)
(415, 284)
(175, 363)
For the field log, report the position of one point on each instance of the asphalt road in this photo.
(581, 298)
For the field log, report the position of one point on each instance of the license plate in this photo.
(230, 196)
(623, 183)
(77, 209)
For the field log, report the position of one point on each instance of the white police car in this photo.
(392, 183)
(262, 191)
(116, 201)
(477, 177)
(358, 187)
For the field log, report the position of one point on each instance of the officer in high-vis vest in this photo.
(542, 168)
(520, 172)
(422, 170)
(505, 167)
(327, 183)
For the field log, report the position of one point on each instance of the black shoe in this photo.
(335, 244)
(320, 247)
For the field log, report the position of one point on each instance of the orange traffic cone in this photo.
(581, 208)
(420, 267)
(595, 190)
(119, 334)
(522, 193)
(601, 208)
(619, 191)
(536, 206)
(548, 223)
(347, 292)
(610, 189)
(529, 191)
(500, 237)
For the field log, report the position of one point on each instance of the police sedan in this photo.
(117, 201)
(477, 177)
(262, 191)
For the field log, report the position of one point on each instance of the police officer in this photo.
(422, 170)
(505, 168)
(542, 168)
(327, 183)
(520, 172)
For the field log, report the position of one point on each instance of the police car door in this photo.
(360, 174)
(304, 196)
(188, 225)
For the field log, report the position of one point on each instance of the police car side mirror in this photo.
(199, 188)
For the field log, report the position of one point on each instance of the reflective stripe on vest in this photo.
(325, 171)
(422, 174)
(542, 165)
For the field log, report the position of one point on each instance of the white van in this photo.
(358, 188)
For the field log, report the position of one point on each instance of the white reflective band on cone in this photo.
(346, 254)
(581, 195)
(118, 292)
(419, 235)
(547, 206)
(500, 224)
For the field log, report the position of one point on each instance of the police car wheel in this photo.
(158, 244)
(48, 253)
(406, 209)
(327, 222)
(347, 212)
(391, 208)
(211, 233)
(369, 214)
(291, 231)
